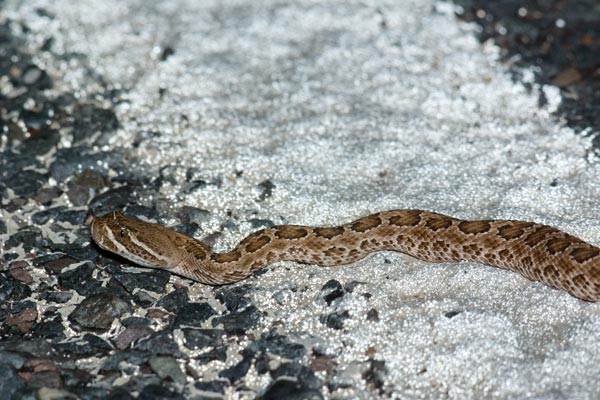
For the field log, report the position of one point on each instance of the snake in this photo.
(536, 251)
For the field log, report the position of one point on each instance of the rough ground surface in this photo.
(220, 119)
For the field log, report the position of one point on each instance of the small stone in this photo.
(154, 281)
(158, 392)
(289, 389)
(211, 386)
(87, 346)
(375, 375)
(300, 372)
(45, 196)
(196, 215)
(113, 199)
(266, 190)
(49, 329)
(132, 333)
(13, 359)
(237, 323)
(11, 383)
(335, 320)
(99, 311)
(234, 297)
(114, 361)
(159, 343)
(23, 320)
(167, 367)
(331, 290)
(174, 300)
(57, 297)
(79, 279)
(198, 339)
(373, 315)
(257, 223)
(451, 314)
(28, 237)
(238, 371)
(26, 183)
(21, 275)
(42, 217)
(193, 314)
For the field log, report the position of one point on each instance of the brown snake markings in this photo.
(536, 251)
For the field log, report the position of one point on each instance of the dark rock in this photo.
(218, 353)
(80, 279)
(234, 297)
(196, 215)
(167, 368)
(373, 315)
(74, 217)
(350, 286)
(56, 297)
(331, 290)
(335, 320)
(3, 229)
(90, 119)
(301, 373)
(266, 190)
(256, 223)
(45, 196)
(87, 346)
(136, 321)
(211, 386)
(193, 314)
(13, 359)
(188, 228)
(36, 77)
(99, 311)
(28, 236)
(49, 329)
(277, 344)
(197, 339)
(159, 343)
(54, 263)
(132, 357)
(289, 389)
(113, 199)
(11, 383)
(237, 323)
(158, 392)
(131, 334)
(11, 289)
(154, 280)
(451, 314)
(143, 298)
(374, 375)
(42, 217)
(72, 160)
(238, 371)
(174, 300)
(26, 183)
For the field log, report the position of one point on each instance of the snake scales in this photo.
(538, 252)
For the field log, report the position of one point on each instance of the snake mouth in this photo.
(89, 219)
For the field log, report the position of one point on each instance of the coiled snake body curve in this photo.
(538, 252)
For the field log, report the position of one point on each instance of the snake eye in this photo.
(122, 232)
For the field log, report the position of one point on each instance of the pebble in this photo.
(113, 199)
(79, 279)
(373, 315)
(29, 237)
(159, 343)
(331, 291)
(193, 315)
(10, 382)
(158, 392)
(98, 311)
(239, 322)
(70, 161)
(175, 300)
(22, 320)
(211, 386)
(83, 347)
(289, 389)
(303, 374)
(90, 119)
(167, 367)
(11, 289)
(198, 339)
(26, 183)
(188, 214)
(45, 196)
(335, 320)
(154, 281)
(131, 334)
(235, 298)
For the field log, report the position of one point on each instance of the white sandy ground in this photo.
(351, 107)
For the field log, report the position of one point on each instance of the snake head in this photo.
(144, 243)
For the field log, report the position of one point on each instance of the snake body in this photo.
(538, 252)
